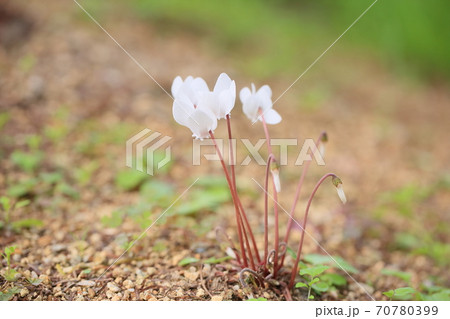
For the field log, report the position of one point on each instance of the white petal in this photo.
(245, 94)
(176, 85)
(199, 85)
(209, 101)
(276, 180)
(341, 194)
(227, 100)
(265, 90)
(250, 108)
(223, 83)
(181, 111)
(201, 122)
(272, 117)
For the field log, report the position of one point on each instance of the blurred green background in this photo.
(263, 37)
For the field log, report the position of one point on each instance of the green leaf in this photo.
(334, 279)
(301, 285)
(404, 293)
(9, 250)
(28, 162)
(6, 296)
(51, 178)
(68, 190)
(439, 296)
(214, 260)
(22, 203)
(34, 281)
(338, 262)
(10, 274)
(311, 297)
(187, 261)
(6, 203)
(4, 118)
(129, 179)
(157, 192)
(113, 221)
(22, 188)
(405, 276)
(313, 271)
(204, 199)
(320, 287)
(26, 223)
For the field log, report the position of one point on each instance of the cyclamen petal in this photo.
(271, 116)
(201, 122)
(181, 111)
(225, 93)
(253, 101)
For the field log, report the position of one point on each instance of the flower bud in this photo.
(274, 169)
(323, 140)
(230, 252)
(337, 182)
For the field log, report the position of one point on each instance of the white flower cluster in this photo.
(198, 108)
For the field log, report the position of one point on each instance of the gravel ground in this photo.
(76, 68)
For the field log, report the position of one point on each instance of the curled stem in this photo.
(305, 219)
(297, 194)
(275, 196)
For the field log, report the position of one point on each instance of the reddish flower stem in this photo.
(275, 197)
(233, 176)
(230, 185)
(297, 196)
(266, 211)
(305, 219)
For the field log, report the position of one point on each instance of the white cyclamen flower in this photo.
(253, 101)
(221, 100)
(191, 108)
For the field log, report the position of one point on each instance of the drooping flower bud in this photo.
(274, 169)
(337, 182)
(230, 252)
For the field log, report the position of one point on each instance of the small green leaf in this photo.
(113, 221)
(28, 162)
(314, 271)
(333, 261)
(311, 297)
(10, 274)
(6, 203)
(5, 296)
(320, 287)
(187, 261)
(9, 250)
(334, 279)
(22, 188)
(214, 260)
(405, 276)
(22, 203)
(129, 179)
(26, 223)
(301, 285)
(403, 293)
(35, 281)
